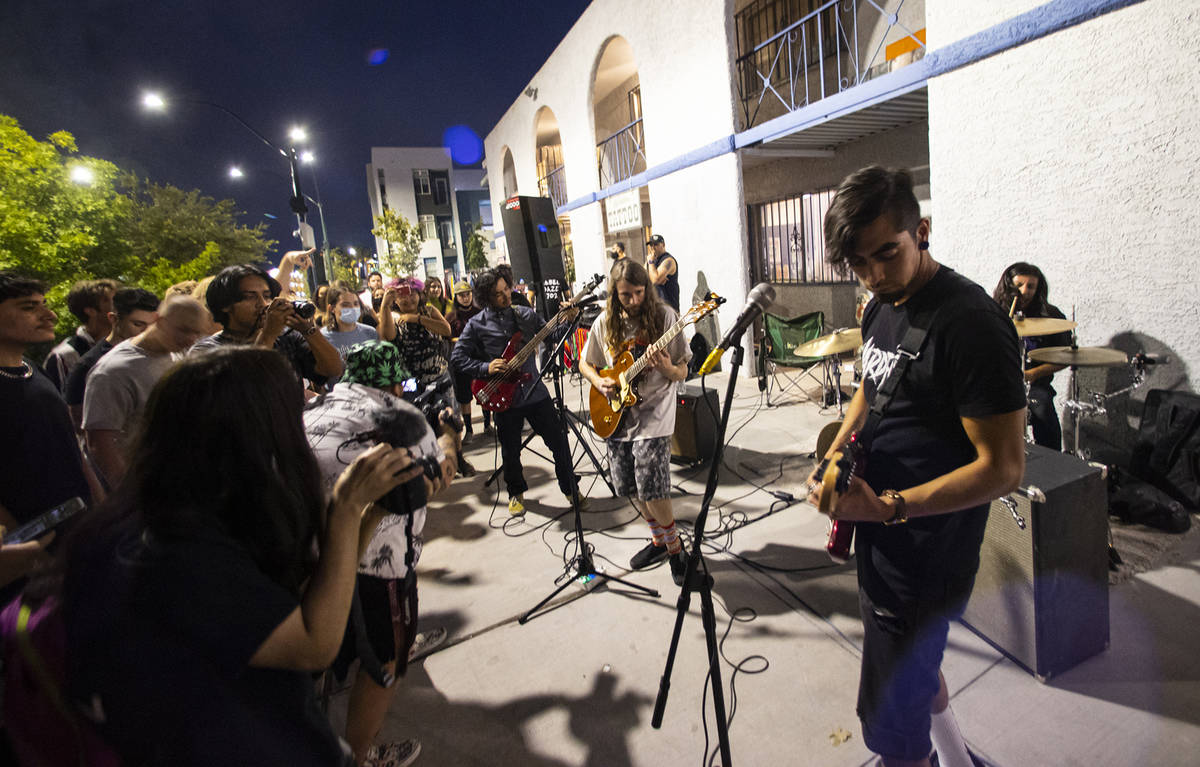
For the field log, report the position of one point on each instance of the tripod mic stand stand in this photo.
(582, 564)
(696, 578)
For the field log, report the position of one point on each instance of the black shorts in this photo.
(899, 680)
(462, 387)
(389, 608)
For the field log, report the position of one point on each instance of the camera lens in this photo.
(305, 309)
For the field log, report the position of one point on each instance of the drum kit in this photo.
(830, 347)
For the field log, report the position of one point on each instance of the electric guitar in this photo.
(496, 393)
(834, 475)
(606, 413)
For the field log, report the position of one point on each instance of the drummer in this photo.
(1026, 284)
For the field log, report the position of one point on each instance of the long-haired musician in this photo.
(479, 353)
(1026, 284)
(640, 449)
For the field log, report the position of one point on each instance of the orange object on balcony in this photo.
(904, 45)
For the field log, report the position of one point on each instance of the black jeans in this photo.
(1046, 430)
(544, 421)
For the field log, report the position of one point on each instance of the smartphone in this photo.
(46, 522)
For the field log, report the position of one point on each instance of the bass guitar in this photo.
(606, 413)
(833, 477)
(497, 392)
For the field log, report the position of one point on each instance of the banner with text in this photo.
(624, 211)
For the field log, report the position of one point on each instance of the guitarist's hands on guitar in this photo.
(857, 504)
(498, 366)
(606, 386)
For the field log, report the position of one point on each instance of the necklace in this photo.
(27, 374)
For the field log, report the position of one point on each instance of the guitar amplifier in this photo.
(1041, 594)
(695, 424)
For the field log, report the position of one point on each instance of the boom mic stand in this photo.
(696, 578)
(582, 563)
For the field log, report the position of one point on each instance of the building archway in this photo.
(552, 175)
(509, 173)
(620, 145)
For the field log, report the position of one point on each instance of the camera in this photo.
(402, 428)
(433, 401)
(304, 309)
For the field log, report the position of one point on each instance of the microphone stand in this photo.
(582, 563)
(696, 578)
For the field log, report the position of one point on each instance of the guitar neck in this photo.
(636, 368)
(519, 358)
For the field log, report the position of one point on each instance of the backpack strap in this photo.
(45, 679)
(910, 348)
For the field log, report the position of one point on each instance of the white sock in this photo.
(948, 740)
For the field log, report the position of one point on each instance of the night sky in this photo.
(82, 67)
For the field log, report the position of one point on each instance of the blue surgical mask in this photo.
(349, 314)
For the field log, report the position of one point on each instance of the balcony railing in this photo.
(827, 50)
(621, 155)
(554, 186)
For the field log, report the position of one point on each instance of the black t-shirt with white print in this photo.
(969, 367)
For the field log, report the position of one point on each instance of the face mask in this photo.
(349, 314)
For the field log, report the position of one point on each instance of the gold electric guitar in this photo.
(606, 413)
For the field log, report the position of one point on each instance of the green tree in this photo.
(345, 266)
(476, 249)
(403, 239)
(114, 225)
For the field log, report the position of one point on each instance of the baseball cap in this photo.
(656, 240)
(462, 287)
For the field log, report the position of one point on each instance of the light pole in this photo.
(155, 102)
(309, 159)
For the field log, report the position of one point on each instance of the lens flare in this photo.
(462, 144)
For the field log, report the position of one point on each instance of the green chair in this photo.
(785, 371)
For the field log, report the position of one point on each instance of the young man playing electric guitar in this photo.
(479, 353)
(640, 448)
(949, 440)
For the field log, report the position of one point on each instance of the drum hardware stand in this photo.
(697, 578)
(581, 568)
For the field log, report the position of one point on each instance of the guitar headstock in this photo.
(706, 307)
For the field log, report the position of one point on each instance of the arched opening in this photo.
(509, 171)
(552, 174)
(620, 145)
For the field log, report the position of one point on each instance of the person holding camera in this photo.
(195, 608)
(367, 408)
(247, 302)
(417, 329)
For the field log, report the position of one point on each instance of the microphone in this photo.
(760, 298)
(1141, 358)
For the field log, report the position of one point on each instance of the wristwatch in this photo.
(900, 506)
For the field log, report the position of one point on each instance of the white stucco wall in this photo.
(684, 65)
(1079, 152)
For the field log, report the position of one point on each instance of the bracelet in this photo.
(900, 515)
(309, 331)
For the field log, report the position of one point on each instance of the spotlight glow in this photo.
(298, 134)
(82, 175)
(235, 172)
(307, 156)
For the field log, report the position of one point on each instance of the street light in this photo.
(235, 172)
(82, 175)
(298, 134)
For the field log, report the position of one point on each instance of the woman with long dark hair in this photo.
(1025, 284)
(194, 604)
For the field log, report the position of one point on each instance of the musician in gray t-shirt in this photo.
(640, 449)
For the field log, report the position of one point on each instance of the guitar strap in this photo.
(909, 350)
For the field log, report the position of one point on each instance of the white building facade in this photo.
(424, 186)
(1031, 131)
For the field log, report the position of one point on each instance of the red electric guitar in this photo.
(834, 475)
(497, 392)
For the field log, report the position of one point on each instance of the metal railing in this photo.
(813, 56)
(621, 155)
(554, 186)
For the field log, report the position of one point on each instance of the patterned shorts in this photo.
(642, 467)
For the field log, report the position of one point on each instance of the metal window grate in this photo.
(790, 239)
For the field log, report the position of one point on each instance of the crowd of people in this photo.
(260, 470)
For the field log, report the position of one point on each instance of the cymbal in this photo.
(1041, 326)
(1084, 356)
(846, 340)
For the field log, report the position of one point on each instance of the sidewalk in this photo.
(576, 685)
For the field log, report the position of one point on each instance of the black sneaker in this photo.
(678, 567)
(648, 556)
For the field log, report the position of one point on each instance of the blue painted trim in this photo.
(1044, 20)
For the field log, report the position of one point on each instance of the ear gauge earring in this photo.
(923, 245)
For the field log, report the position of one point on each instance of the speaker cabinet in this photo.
(535, 249)
(1041, 594)
(695, 424)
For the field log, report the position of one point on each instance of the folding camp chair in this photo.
(785, 371)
